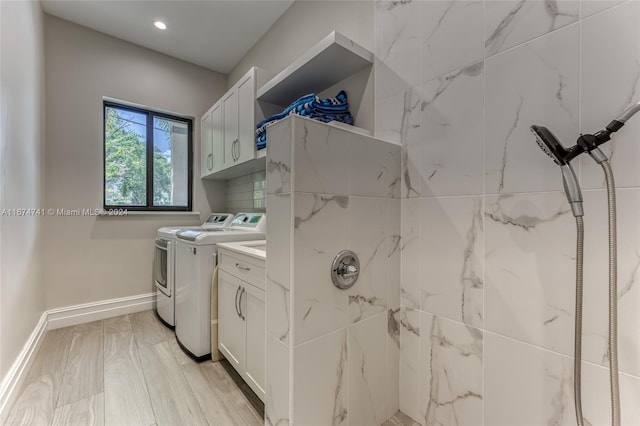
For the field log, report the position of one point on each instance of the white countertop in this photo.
(255, 248)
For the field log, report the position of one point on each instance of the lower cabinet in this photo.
(241, 329)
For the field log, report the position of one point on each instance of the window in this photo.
(147, 160)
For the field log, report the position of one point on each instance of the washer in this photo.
(196, 258)
(164, 264)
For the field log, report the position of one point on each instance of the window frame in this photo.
(150, 114)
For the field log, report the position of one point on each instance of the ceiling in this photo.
(214, 34)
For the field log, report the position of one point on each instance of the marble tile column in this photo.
(332, 355)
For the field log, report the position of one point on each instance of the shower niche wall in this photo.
(332, 355)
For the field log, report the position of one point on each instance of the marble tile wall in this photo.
(333, 354)
(485, 325)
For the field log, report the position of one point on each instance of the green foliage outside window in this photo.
(125, 164)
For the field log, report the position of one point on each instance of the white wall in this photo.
(304, 24)
(89, 259)
(21, 174)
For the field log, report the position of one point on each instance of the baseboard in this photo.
(80, 314)
(58, 318)
(12, 383)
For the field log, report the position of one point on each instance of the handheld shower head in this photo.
(550, 145)
(562, 157)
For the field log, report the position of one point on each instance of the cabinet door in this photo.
(206, 144)
(246, 119)
(230, 114)
(230, 324)
(217, 137)
(254, 313)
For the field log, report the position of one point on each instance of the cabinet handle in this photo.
(242, 267)
(236, 150)
(236, 302)
(210, 157)
(241, 293)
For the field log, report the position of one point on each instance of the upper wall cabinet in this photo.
(212, 159)
(228, 130)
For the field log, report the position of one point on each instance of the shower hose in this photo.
(613, 306)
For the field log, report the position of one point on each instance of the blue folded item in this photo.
(310, 106)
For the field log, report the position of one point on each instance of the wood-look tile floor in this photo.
(129, 371)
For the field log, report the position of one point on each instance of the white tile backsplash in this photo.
(247, 193)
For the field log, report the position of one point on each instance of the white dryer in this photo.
(196, 259)
(164, 264)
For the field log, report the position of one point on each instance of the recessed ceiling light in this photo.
(160, 25)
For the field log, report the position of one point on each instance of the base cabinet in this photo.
(241, 329)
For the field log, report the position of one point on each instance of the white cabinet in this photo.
(211, 137)
(230, 126)
(230, 323)
(246, 92)
(241, 316)
(232, 145)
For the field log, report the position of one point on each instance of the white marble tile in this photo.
(596, 396)
(535, 83)
(411, 256)
(374, 168)
(276, 407)
(321, 157)
(453, 133)
(367, 371)
(530, 269)
(320, 381)
(393, 251)
(278, 310)
(451, 274)
(279, 231)
(398, 121)
(610, 82)
(393, 362)
(279, 157)
(397, 26)
(596, 277)
(320, 232)
(452, 36)
(591, 7)
(511, 22)
(368, 238)
(451, 376)
(408, 322)
(278, 274)
(525, 385)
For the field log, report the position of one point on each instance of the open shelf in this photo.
(327, 63)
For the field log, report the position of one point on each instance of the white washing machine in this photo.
(196, 258)
(164, 264)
